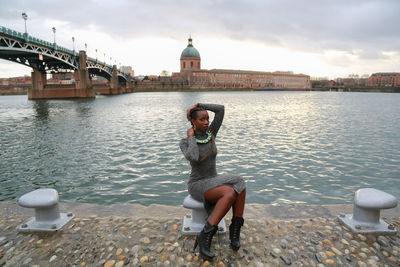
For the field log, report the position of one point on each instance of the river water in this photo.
(291, 147)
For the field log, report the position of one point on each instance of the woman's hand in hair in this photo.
(190, 132)
(189, 110)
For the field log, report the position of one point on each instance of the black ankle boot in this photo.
(234, 232)
(204, 241)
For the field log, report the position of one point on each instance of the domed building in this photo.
(190, 58)
(192, 76)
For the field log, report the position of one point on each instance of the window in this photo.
(184, 65)
(198, 65)
(191, 64)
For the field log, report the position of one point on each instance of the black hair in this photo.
(193, 112)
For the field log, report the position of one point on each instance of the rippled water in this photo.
(291, 147)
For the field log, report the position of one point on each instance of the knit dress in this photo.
(203, 176)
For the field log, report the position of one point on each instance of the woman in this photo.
(218, 192)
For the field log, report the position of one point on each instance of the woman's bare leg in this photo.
(224, 196)
(238, 206)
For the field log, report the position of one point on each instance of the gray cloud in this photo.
(313, 25)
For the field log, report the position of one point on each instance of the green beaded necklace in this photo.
(204, 141)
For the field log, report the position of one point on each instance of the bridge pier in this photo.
(115, 87)
(39, 81)
(81, 89)
(129, 86)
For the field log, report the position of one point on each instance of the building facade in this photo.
(15, 84)
(193, 76)
(128, 69)
(384, 79)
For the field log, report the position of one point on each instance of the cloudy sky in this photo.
(320, 38)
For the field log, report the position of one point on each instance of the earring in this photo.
(194, 127)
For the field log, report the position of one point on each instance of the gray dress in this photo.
(204, 174)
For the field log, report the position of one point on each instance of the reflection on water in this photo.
(41, 108)
(291, 147)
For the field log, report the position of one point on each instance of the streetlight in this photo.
(73, 44)
(96, 54)
(25, 17)
(85, 47)
(110, 60)
(54, 31)
(104, 58)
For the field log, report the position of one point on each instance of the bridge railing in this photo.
(99, 62)
(107, 65)
(38, 41)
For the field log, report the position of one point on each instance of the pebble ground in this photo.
(139, 241)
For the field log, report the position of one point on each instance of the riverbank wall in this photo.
(14, 90)
(136, 235)
(11, 91)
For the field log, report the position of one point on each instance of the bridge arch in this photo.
(45, 57)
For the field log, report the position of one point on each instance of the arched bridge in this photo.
(45, 57)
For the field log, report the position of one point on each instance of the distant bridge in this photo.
(45, 57)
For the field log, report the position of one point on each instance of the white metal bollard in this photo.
(47, 214)
(193, 223)
(368, 203)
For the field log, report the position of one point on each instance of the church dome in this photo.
(190, 51)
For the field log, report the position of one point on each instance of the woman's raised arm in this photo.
(219, 111)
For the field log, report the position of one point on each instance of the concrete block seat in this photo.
(47, 214)
(193, 223)
(368, 203)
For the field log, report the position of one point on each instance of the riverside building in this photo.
(384, 79)
(192, 76)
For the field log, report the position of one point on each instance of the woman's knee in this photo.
(230, 194)
(225, 191)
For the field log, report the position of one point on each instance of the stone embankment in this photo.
(134, 235)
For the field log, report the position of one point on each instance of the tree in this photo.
(165, 73)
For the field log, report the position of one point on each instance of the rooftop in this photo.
(190, 51)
